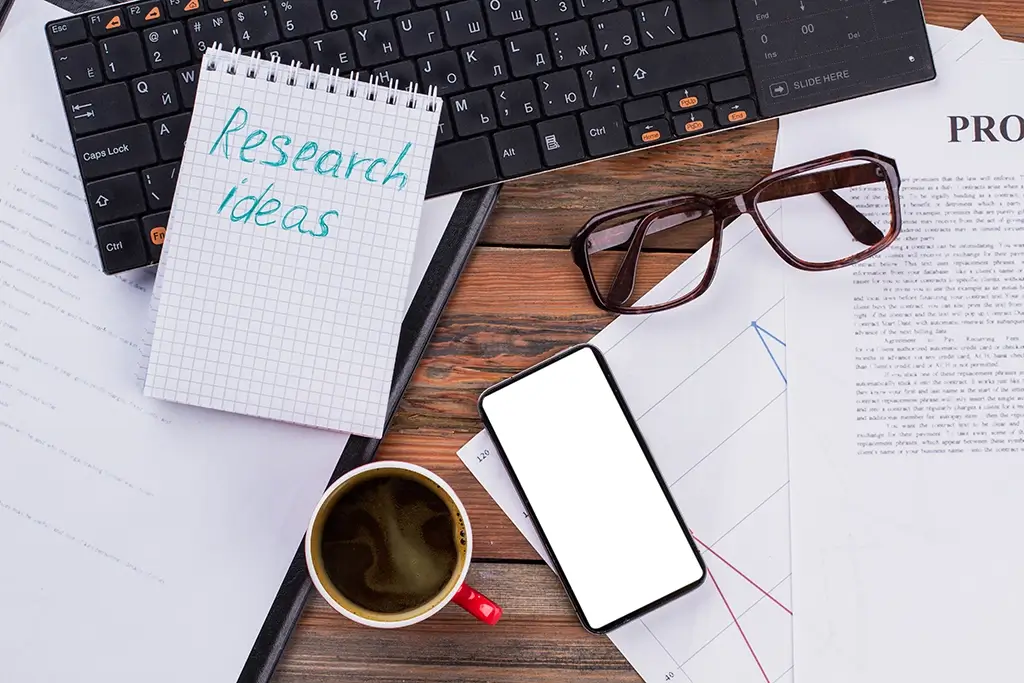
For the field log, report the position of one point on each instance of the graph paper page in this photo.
(293, 233)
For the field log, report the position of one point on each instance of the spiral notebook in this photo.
(290, 243)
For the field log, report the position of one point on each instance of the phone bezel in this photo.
(606, 371)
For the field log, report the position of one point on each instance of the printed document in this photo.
(141, 540)
(906, 397)
(706, 383)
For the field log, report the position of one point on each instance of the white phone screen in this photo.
(593, 492)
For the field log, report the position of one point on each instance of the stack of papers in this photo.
(873, 576)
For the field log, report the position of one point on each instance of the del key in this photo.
(115, 151)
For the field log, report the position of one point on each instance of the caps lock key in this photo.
(115, 151)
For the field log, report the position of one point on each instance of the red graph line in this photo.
(740, 628)
(742, 575)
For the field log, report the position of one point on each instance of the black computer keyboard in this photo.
(529, 85)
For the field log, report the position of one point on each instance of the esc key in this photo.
(66, 31)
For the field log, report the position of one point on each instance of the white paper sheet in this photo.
(141, 540)
(729, 477)
(889, 512)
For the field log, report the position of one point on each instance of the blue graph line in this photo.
(761, 334)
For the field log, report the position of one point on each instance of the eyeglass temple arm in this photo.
(826, 183)
(625, 278)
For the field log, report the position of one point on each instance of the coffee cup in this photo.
(389, 545)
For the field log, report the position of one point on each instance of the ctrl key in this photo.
(121, 247)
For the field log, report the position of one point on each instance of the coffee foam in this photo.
(389, 545)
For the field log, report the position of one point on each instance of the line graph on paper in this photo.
(706, 383)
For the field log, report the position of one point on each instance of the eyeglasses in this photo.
(860, 188)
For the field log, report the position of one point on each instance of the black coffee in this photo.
(389, 544)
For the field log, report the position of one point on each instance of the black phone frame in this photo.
(606, 371)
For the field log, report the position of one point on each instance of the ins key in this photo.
(115, 151)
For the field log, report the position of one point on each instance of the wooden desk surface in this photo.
(520, 300)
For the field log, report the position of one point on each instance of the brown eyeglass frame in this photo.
(727, 208)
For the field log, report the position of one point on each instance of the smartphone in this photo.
(586, 477)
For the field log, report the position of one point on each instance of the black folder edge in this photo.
(450, 258)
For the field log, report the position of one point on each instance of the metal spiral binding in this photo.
(251, 66)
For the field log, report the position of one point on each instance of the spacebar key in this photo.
(461, 166)
(700, 59)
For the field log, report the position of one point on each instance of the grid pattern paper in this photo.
(274, 322)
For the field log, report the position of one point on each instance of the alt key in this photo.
(121, 246)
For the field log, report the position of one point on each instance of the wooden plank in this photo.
(538, 639)
(1005, 15)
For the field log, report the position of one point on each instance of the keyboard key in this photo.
(419, 33)
(171, 134)
(155, 95)
(117, 197)
(187, 80)
(733, 113)
(551, 11)
(286, 53)
(463, 22)
(449, 170)
(528, 54)
(176, 9)
(560, 92)
(560, 141)
(604, 83)
(701, 17)
(66, 31)
(154, 228)
(688, 98)
(402, 73)
(123, 56)
(694, 122)
(615, 34)
(517, 102)
(115, 151)
(384, 8)
(208, 29)
(376, 42)
(445, 130)
(604, 131)
(297, 18)
(107, 23)
(121, 246)
(332, 49)
(647, 108)
(343, 12)
(143, 14)
(508, 16)
(255, 25)
(675, 65)
(587, 8)
(473, 113)
(571, 44)
(77, 67)
(650, 132)
(158, 184)
(517, 151)
(443, 71)
(659, 23)
(107, 106)
(730, 89)
(167, 45)
(485, 64)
